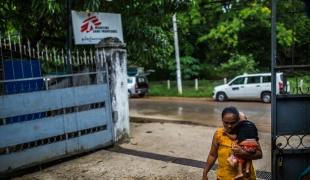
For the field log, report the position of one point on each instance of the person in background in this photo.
(223, 147)
(247, 135)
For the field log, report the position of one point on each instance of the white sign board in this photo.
(90, 28)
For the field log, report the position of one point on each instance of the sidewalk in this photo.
(189, 143)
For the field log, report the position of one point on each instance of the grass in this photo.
(205, 88)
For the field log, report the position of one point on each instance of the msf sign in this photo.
(90, 28)
(90, 23)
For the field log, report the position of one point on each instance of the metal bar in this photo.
(284, 67)
(36, 78)
(273, 85)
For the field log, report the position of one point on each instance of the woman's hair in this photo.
(231, 110)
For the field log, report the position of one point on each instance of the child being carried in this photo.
(247, 135)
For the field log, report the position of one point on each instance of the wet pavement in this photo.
(203, 111)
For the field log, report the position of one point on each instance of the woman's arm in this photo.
(211, 157)
(240, 152)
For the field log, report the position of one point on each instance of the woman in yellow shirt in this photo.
(223, 147)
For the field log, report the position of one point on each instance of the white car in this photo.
(137, 85)
(250, 86)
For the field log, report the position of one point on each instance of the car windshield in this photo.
(238, 81)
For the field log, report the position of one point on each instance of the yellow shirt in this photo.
(225, 171)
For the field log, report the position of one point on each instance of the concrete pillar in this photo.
(113, 51)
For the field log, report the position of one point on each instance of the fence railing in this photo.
(24, 68)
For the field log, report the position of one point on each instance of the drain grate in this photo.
(176, 160)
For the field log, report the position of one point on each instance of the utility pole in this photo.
(177, 56)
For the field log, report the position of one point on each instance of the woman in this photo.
(223, 147)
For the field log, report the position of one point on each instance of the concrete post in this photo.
(168, 84)
(114, 54)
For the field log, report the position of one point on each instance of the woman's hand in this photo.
(237, 150)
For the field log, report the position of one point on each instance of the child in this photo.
(247, 138)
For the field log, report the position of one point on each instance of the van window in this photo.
(266, 79)
(238, 81)
(141, 80)
(253, 80)
(129, 80)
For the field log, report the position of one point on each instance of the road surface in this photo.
(201, 111)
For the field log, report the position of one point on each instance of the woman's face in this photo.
(230, 122)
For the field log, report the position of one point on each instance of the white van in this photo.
(250, 86)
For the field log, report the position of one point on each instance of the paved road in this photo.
(202, 111)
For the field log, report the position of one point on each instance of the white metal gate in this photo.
(51, 112)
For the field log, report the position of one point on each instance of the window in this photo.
(266, 79)
(238, 81)
(253, 80)
(141, 80)
(129, 80)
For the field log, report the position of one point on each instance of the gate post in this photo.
(113, 52)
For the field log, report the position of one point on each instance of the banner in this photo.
(90, 27)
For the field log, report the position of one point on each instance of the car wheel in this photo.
(221, 97)
(129, 94)
(266, 97)
(142, 95)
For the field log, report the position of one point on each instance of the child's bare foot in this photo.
(240, 175)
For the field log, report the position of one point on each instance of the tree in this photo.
(239, 64)
(246, 31)
(145, 23)
(189, 67)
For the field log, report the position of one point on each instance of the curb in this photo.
(136, 119)
(177, 98)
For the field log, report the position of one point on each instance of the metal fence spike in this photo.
(70, 57)
(46, 54)
(91, 56)
(62, 56)
(51, 57)
(38, 54)
(97, 56)
(24, 49)
(19, 44)
(85, 56)
(77, 57)
(29, 48)
(42, 55)
(38, 51)
(10, 41)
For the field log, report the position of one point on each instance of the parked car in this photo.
(137, 85)
(250, 86)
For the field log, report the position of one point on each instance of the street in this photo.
(201, 111)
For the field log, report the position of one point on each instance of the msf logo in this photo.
(90, 23)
